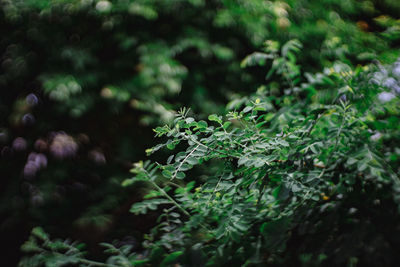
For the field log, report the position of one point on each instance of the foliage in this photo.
(85, 81)
(81, 83)
(244, 189)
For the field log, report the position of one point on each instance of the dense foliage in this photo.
(275, 175)
(296, 173)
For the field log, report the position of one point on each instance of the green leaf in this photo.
(140, 263)
(171, 258)
(227, 124)
(241, 227)
(180, 175)
(148, 204)
(201, 125)
(30, 246)
(40, 233)
(192, 160)
(127, 182)
(166, 173)
(247, 109)
(189, 120)
(171, 146)
(351, 161)
(254, 59)
(214, 117)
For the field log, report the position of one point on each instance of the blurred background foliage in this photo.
(83, 82)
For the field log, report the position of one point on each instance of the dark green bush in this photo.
(300, 178)
(84, 81)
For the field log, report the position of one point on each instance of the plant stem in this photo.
(170, 198)
(183, 161)
(96, 263)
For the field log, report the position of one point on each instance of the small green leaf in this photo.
(180, 175)
(202, 124)
(189, 120)
(40, 233)
(171, 258)
(30, 247)
(247, 109)
(192, 160)
(214, 117)
(166, 173)
(227, 124)
(127, 182)
(171, 146)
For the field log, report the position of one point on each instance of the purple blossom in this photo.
(35, 162)
(38, 158)
(31, 100)
(378, 77)
(396, 88)
(41, 159)
(97, 157)
(63, 146)
(19, 144)
(32, 156)
(390, 82)
(396, 69)
(343, 98)
(30, 169)
(386, 96)
(376, 136)
(28, 119)
(37, 200)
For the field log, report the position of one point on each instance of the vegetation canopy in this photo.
(280, 178)
(276, 128)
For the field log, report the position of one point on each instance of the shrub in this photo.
(308, 176)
